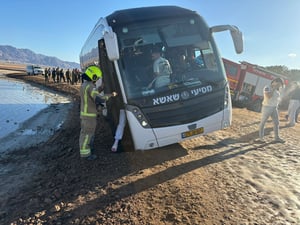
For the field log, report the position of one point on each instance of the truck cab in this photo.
(247, 82)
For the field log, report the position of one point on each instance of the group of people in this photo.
(59, 75)
(270, 107)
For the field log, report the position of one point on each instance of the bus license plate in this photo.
(192, 132)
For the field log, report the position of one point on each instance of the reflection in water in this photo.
(20, 101)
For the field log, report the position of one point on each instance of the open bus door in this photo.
(116, 103)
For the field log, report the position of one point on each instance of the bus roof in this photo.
(146, 13)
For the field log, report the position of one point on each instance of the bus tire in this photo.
(126, 144)
(297, 114)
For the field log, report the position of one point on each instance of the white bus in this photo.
(196, 100)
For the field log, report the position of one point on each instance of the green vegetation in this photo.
(291, 74)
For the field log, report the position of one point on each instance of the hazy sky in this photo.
(60, 27)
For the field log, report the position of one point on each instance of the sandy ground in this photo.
(222, 178)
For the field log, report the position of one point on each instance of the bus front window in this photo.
(186, 56)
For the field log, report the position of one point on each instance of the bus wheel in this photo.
(127, 142)
(296, 116)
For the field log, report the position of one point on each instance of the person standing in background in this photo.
(270, 108)
(47, 74)
(74, 77)
(68, 76)
(78, 75)
(62, 76)
(294, 104)
(53, 74)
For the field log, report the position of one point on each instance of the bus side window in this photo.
(128, 63)
(210, 61)
(248, 90)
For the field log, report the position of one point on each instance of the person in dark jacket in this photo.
(53, 74)
(68, 76)
(294, 105)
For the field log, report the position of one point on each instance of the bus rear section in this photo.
(194, 101)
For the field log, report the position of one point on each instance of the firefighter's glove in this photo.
(108, 96)
(99, 101)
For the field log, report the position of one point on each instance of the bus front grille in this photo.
(185, 111)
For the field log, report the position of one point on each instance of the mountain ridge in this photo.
(26, 56)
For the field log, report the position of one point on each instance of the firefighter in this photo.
(90, 99)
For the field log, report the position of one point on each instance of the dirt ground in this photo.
(221, 178)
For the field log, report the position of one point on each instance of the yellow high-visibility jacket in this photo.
(88, 94)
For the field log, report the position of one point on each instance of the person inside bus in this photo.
(161, 69)
(270, 108)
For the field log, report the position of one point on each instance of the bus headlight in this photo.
(138, 115)
(144, 123)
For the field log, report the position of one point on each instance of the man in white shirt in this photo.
(161, 69)
(270, 108)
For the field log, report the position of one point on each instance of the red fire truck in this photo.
(246, 83)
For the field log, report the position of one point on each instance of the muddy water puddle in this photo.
(28, 111)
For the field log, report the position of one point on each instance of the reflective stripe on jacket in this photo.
(88, 94)
(85, 150)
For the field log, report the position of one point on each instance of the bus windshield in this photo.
(160, 55)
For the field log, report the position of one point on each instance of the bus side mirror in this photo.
(111, 43)
(236, 35)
